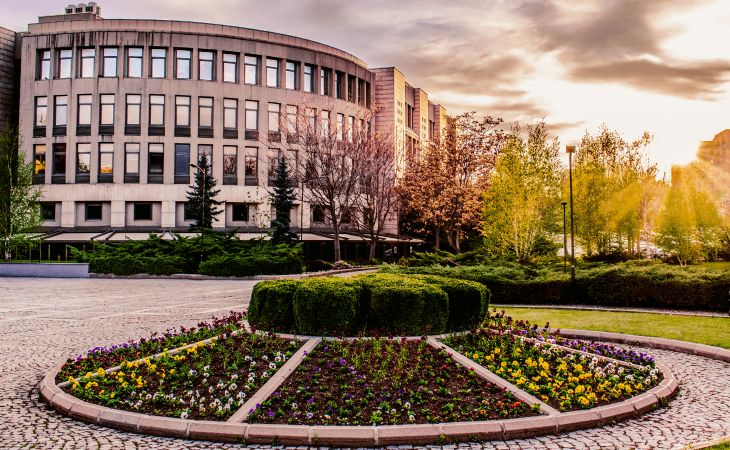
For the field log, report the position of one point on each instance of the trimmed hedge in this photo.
(227, 265)
(468, 301)
(129, 265)
(271, 305)
(327, 306)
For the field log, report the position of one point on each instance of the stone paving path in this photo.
(44, 321)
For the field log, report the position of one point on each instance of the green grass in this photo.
(717, 266)
(704, 330)
(723, 446)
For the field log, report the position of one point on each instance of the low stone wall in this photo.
(45, 270)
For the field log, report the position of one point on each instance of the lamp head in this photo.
(570, 149)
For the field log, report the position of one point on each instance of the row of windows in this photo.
(296, 75)
(183, 105)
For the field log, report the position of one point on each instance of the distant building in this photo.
(717, 151)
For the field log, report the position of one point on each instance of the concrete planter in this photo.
(45, 270)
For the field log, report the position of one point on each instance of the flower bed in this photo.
(206, 381)
(106, 357)
(564, 380)
(382, 381)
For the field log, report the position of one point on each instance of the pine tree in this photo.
(282, 200)
(202, 204)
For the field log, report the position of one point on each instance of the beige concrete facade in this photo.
(86, 152)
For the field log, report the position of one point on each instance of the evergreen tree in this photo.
(282, 199)
(202, 204)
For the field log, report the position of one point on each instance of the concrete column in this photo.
(118, 219)
(167, 219)
(68, 214)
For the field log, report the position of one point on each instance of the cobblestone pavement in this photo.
(43, 321)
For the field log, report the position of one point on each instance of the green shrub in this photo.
(404, 305)
(318, 265)
(129, 265)
(468, 301)
(271, 306)
(327, 306)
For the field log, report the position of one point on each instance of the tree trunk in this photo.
(437, 238)
(373, 249)
(6, 249)
(336, 244)
(457, 240)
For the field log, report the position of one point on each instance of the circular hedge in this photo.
(387, 303)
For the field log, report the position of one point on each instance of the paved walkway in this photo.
(44, 321)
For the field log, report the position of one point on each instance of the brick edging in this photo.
(360, 435)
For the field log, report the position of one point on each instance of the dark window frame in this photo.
(88, 208)
(104, 58)
(142, 207)
(213, 54)
(128, 59)
(177, 60)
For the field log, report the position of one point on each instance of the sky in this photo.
(661, 66)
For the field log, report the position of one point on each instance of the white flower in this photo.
(294, 406)
(407, 405)
(247, 358)
(206, 374)
(241, 395)
(184, 415)
(206, 368)
(234, 376)
(233, 386)
(265, 358)
(272, 366)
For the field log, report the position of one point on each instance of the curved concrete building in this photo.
(114, 112)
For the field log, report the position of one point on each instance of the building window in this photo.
(206, 150)
(109, 62)
(106, 114)
(158, 62)
(131, 162)
(205, 113)
(41, 111)
(182, 64)
(340, 126)
(271, 173)
(318, 213)
(308, 78)
(206, 65)
(39, 160)
(134, 109)
(44, 65)
(250, 166)
(350, 128)
(48, 211)
(239, 212)
(182, 163)
(142, 211)
(92, 212)
(155, 163)
(291, 75)
(252, 115)
(230, 67)
(311, 121)
(60, 114)
(339, 85)
(83, 114)
(83, 162)
(59, 163)
(134, 62)
(324, 78)
(230, 163)
(251, 69)
(274, 112)
(63, 64)
(106, 162)
(182, 111)
(324, 119)
(157, 110)
(351, 82)
(230, 114)
(87, 63)
(292, 113)
(272, 72)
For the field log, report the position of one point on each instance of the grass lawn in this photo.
(704, 330)
(718, 266)
(723, 446)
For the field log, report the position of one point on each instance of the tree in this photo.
(202, 204)
(521, 201)
(282, 200)
(19, 210)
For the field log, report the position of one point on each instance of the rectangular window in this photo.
(291, 74)
(48, 211)
(317, 213)
(157, 110)
(273, 162)
(230, 163)
(239, 212)
(350, 128)
(84, 110)
(87, 62)
(63, 64)
(60, 110)
(44, 65)
(59, 162)
(182, 163)
(142, 211)
(311, 121)
(324, 120)
(83, 162)
(340, 126)
(230, 113)
(339, 85)
(205, 112)
(324, 79)
(274, 112)
(183, 59)
(106, 110)
(133, 116)
(206, 65)
(252, 115)
(251, 69)
(134, 62)
(106, 162)
(109, 62)
(272, 72)
(39, 159)
(131, 160)
(155, 163)
(308, 78)
(230, 67)
(92, 211)
(206, 150)
(292, 113)
(182, 111)
(351, 82)
(41, 111)
(158, 62)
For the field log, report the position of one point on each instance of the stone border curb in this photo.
(195, 276)
(358, 436)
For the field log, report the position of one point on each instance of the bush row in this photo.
(393, 304)
(625, 285)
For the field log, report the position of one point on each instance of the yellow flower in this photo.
(504, 364)
(496, 351)
(475, 356)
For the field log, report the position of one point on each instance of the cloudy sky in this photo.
(659, 65)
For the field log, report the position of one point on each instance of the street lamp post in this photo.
(202, 210)
(570, 149)
(565, 240)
